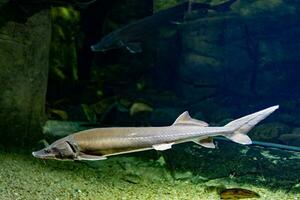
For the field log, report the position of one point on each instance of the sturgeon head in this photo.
(65, 149)
(62, 149)
(114, 41)
(111, 41)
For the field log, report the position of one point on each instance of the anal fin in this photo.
(162, 147)
(206, 142)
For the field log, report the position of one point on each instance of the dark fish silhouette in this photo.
(238, 193)
(130, 35)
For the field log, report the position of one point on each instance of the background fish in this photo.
(131, 35)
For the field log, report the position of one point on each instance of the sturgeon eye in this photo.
(57, 152)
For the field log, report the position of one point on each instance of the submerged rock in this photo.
(269, 131)
(291, 138)
(254, 46)
(187, 175)
(139, 108)
(296, 131)
(24, 65)
(56, 129)
(132, 178)
(238, 193)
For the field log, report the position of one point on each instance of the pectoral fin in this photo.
(207, 142)
(162, 147)
(83, 156)
(134, 47)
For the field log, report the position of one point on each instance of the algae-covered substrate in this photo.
(142, 177)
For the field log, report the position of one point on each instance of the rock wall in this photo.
(23, 78)
(252, 51)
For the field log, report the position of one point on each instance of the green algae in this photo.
(24, 177)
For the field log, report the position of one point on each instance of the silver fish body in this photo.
(110, 141)
(99, 143)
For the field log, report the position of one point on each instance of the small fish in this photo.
(130, 35)
(99, 143)
(238, 193)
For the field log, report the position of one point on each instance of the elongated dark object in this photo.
(131, 35)
(267, 144)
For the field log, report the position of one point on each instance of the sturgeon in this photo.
(99, 143)
(131, 35)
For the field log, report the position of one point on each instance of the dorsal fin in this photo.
(185, 119)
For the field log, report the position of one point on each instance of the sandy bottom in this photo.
(24, 177)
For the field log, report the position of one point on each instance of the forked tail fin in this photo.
(242, 126)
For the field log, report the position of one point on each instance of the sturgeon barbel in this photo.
(99, 143)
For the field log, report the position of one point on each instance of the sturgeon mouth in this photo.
(43, 154)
